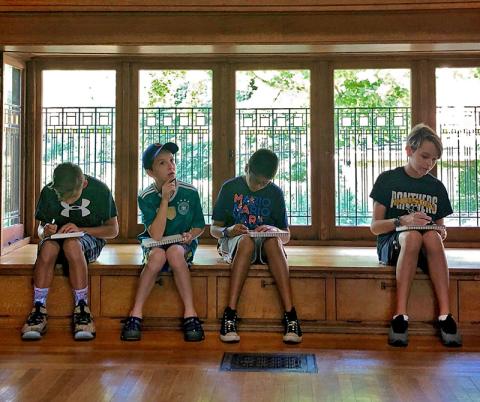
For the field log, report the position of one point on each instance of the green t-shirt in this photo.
(184, 209)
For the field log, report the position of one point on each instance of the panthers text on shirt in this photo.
(414, 201)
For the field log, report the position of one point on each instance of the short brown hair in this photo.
(420, 133)
(67, 179)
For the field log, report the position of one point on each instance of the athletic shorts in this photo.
(91, 246)
(227, 247)
(389, 251)
(188, 253)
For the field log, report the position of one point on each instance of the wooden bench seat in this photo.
(336, 289)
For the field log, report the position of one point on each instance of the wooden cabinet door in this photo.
(118, 294)
(260, 299)
(16, 297)
(374, 300)
(469, 301)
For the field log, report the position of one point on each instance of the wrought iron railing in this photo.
(82, 135)
(367, 142)
(459, 168)
(191, 130)
(287, 133)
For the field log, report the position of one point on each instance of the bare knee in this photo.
(72, 249)
(246, 245)
(272, 245)
(176, 257)
(156, 260)
(49, 252)
(432, 241)
(411, 242)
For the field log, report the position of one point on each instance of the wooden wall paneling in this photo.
(223, 28)
(1, 143)
(123, 139)
(324, 147)
(223, 133)
(317, 106)
(131, 108)
(239, 5)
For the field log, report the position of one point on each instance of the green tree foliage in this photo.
(174, 88)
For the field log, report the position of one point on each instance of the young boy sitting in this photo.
(72, 202)
(253, 202)
(409, 195)
(168, 207)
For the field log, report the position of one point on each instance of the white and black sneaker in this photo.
(292, 332)
(228, 331)
(398, 332)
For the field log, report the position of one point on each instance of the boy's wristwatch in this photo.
(397, 222)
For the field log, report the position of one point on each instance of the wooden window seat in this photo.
(336, 289)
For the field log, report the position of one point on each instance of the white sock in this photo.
(442, 317)
(81, 294)
(40, 295)
(405, 317)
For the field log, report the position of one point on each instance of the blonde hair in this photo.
(420, 133)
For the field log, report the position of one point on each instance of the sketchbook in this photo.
(148, 242)
(66, 235)
(420, 227)
(280, 233)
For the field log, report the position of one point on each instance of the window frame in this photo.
(322, 229)
(14, 236)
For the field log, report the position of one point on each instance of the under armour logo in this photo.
(67, 208)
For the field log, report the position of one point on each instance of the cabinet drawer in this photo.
(16, 297)
(118, 293)
(260, 299)
(374, 300)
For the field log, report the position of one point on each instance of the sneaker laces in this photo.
(36, 317)
(132, 323)
(230, 322)
(83, 317)
(192, 324)
(292, 326)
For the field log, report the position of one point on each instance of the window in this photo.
(273, 111)
(176, 106)
(12, 216)
(78, 122)
(458, 124)
(372, 119)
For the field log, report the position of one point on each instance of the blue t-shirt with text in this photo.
(236, 203)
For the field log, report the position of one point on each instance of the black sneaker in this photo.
(36, 324)
(228, 331)
(449, 332)
(398, 333)
(192, 329)
(132, 329)
(292, 332)
(83, 325)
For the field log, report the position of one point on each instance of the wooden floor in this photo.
(163, 368)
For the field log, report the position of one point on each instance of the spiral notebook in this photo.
(420, 227)
(148, 242)
(281, 233)
(66, 235)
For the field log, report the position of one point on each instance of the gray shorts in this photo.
(227, 247)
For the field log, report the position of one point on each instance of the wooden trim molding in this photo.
(231, 6)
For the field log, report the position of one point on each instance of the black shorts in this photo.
(91, 245)
(389, 251)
